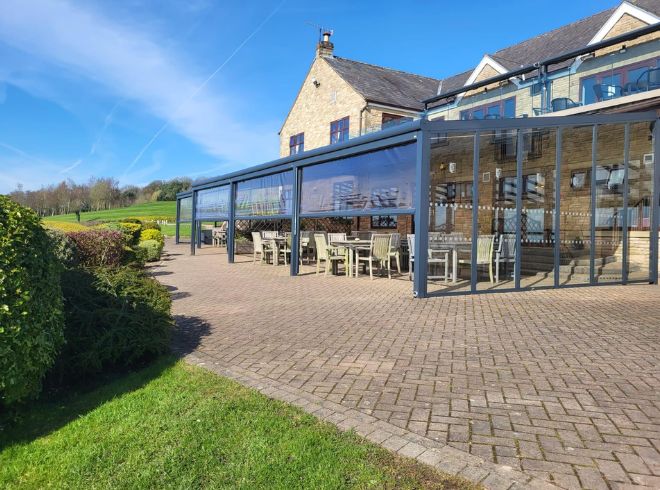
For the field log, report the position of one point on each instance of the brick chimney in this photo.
(325, 47)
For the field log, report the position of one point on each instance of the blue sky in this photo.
(143, 90)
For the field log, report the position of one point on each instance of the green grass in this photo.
(159, 208)
(176, 426)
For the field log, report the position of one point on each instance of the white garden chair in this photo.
(260, 247)
(379, 253)
(328, 254)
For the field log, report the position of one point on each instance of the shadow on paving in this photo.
(48, 414)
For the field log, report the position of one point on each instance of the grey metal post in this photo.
(176, 224)
(230, 223)
(655, 203)
(557, 215)
(295, 221)
(193, 223)
(422, 179)
(475, 210)
(592, 251)
(198, 227)
(519, 183)
(624, 225)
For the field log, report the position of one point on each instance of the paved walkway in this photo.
(555, 387)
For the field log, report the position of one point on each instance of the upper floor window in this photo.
(389, 120)
(505, 108)
(297, 144)
(615, 82)
(339, 130)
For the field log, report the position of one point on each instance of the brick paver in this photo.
(559, 385)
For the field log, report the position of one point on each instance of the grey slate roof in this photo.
(384, 85)
(553, 43)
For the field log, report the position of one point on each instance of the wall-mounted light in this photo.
(498, 173)
(622, 49)
(452, 167)
(316, 82)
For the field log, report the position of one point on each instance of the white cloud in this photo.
(132, 65)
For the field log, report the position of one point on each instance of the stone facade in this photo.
(645, 48)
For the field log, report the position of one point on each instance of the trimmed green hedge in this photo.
(31, 321)
(114, 317)
(152, 250)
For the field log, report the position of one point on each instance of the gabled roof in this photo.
(385, 86)
(553, 43)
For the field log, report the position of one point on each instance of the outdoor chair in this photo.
(395, 250)
(328, 254)
(649, 80)
(435, 257)
(561, 103)
(219, 235)
(269, 234)
(379, 252)
(485, 245)
(504, 254)
(607, 92)
(260, 247)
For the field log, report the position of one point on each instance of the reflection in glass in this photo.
(609, 203)
(382, 179)
(538, 207)
(496, 225)
(450, 212)
(213, 204)
(185, 209)
(270, 195)
(640, 192)
(575, 205)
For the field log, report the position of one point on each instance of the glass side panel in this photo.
(497, 191)
(213, 203)
(575, 205)
(538, 209)
(383, 179)
(640, 192)
(270, 195)
(185, 209)
(609, 203)
(450, 213)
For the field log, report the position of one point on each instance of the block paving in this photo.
(535, 389)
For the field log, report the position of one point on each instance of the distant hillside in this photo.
(159, 210)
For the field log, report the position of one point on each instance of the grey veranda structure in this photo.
(542, 202)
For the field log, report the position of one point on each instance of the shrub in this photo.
(31, 323)
(64, 226)
(131, 231)
(98, 247)
(64, 248)
(132, 220)
(114, 317)
(150, 225)
(152, 235)
(152, 250)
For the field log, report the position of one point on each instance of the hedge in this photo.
(99, 247)
(114, 317)
(152, 234)
(31, 320)
(152, 250)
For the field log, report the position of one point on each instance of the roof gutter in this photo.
(547, 62)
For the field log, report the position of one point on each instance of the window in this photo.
(388, 222)
(342, 193)
(339, 131)
(621, 81)
(609, 180)
(495, 110)
(389, 120)
(297, 144)
(533, 188)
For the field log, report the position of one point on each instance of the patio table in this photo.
(454, 246)
(354, 246)
(275, 244)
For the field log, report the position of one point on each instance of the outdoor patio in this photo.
(561, 384)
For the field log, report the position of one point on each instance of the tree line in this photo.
(95, 195)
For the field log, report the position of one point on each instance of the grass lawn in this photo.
(158, 208)
(172, 425)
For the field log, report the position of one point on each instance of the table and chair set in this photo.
(447, 253)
